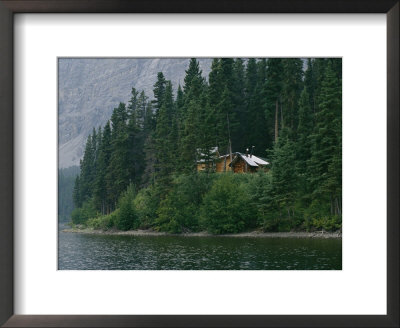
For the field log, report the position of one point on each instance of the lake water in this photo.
(107, 252)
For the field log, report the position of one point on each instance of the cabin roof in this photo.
(252, 161)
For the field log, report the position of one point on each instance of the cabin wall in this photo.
(201, 166)
(219, 167)
(240, 167)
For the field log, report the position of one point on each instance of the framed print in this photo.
(58, 52)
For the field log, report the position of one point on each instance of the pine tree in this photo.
(165, 139)
(310, 82)
(101, 197)
(135, 147)
(76, 193)
(284, 176)
(149, 146)
(118, 170)
(251, 78)
(189, 138)
(87, 169)
(192, 127)
(273, 89)
(180, 112)
(303, 145)
(258, 134)
(325, 163)
(250, 101)
(193, 73)
(159, 92)
(133, 103)
(239, 139)
(292, 86)
(141, 110)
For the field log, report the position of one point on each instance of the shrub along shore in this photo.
(251, 234)
(223, 203)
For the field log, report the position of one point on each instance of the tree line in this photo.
(66, 180)
(139, 170)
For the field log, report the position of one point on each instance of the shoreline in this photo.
(251, 234)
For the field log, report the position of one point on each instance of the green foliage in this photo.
(227, 206)
(146, 204)
(66, 182)
(104, 222)
(180, 210)
(284, 176)
(326, 223)
(82, 214)
(127, 218)
(165, 140)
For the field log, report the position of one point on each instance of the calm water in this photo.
(101, 252)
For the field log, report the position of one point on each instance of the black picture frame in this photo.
(7, 10)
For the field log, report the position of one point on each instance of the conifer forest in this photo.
(154, 164)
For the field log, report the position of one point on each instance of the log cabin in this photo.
(245, 163)
(236, 162)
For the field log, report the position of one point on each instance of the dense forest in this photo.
(66, 181)
(139, 169)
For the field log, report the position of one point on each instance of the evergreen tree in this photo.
(216, 83)
(284, 178)
(141, 110)
(76, 193)
(165, 138)
(87, 169)
(133, 103)
(250, 102)
(149, 146)
(220, 99)
(127, 218)
(180, 112)
(303, 146)
(159, 92)
(292, 87)
(273, 89)
(325, 163)
(251, 79)
(193, 132)
(101, 187)
(118, 170)
(239, 139)
(193, 73)
(135, 146)
(310, 82)
(258, 134)
(304, 129)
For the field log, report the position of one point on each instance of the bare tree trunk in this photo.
(282, 123)
(229, 134)
(276, 119)
(225, 159)
(225, 164)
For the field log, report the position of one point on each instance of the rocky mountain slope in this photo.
(89, 89)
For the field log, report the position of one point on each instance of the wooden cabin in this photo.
(245, 163)
(236, 162)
